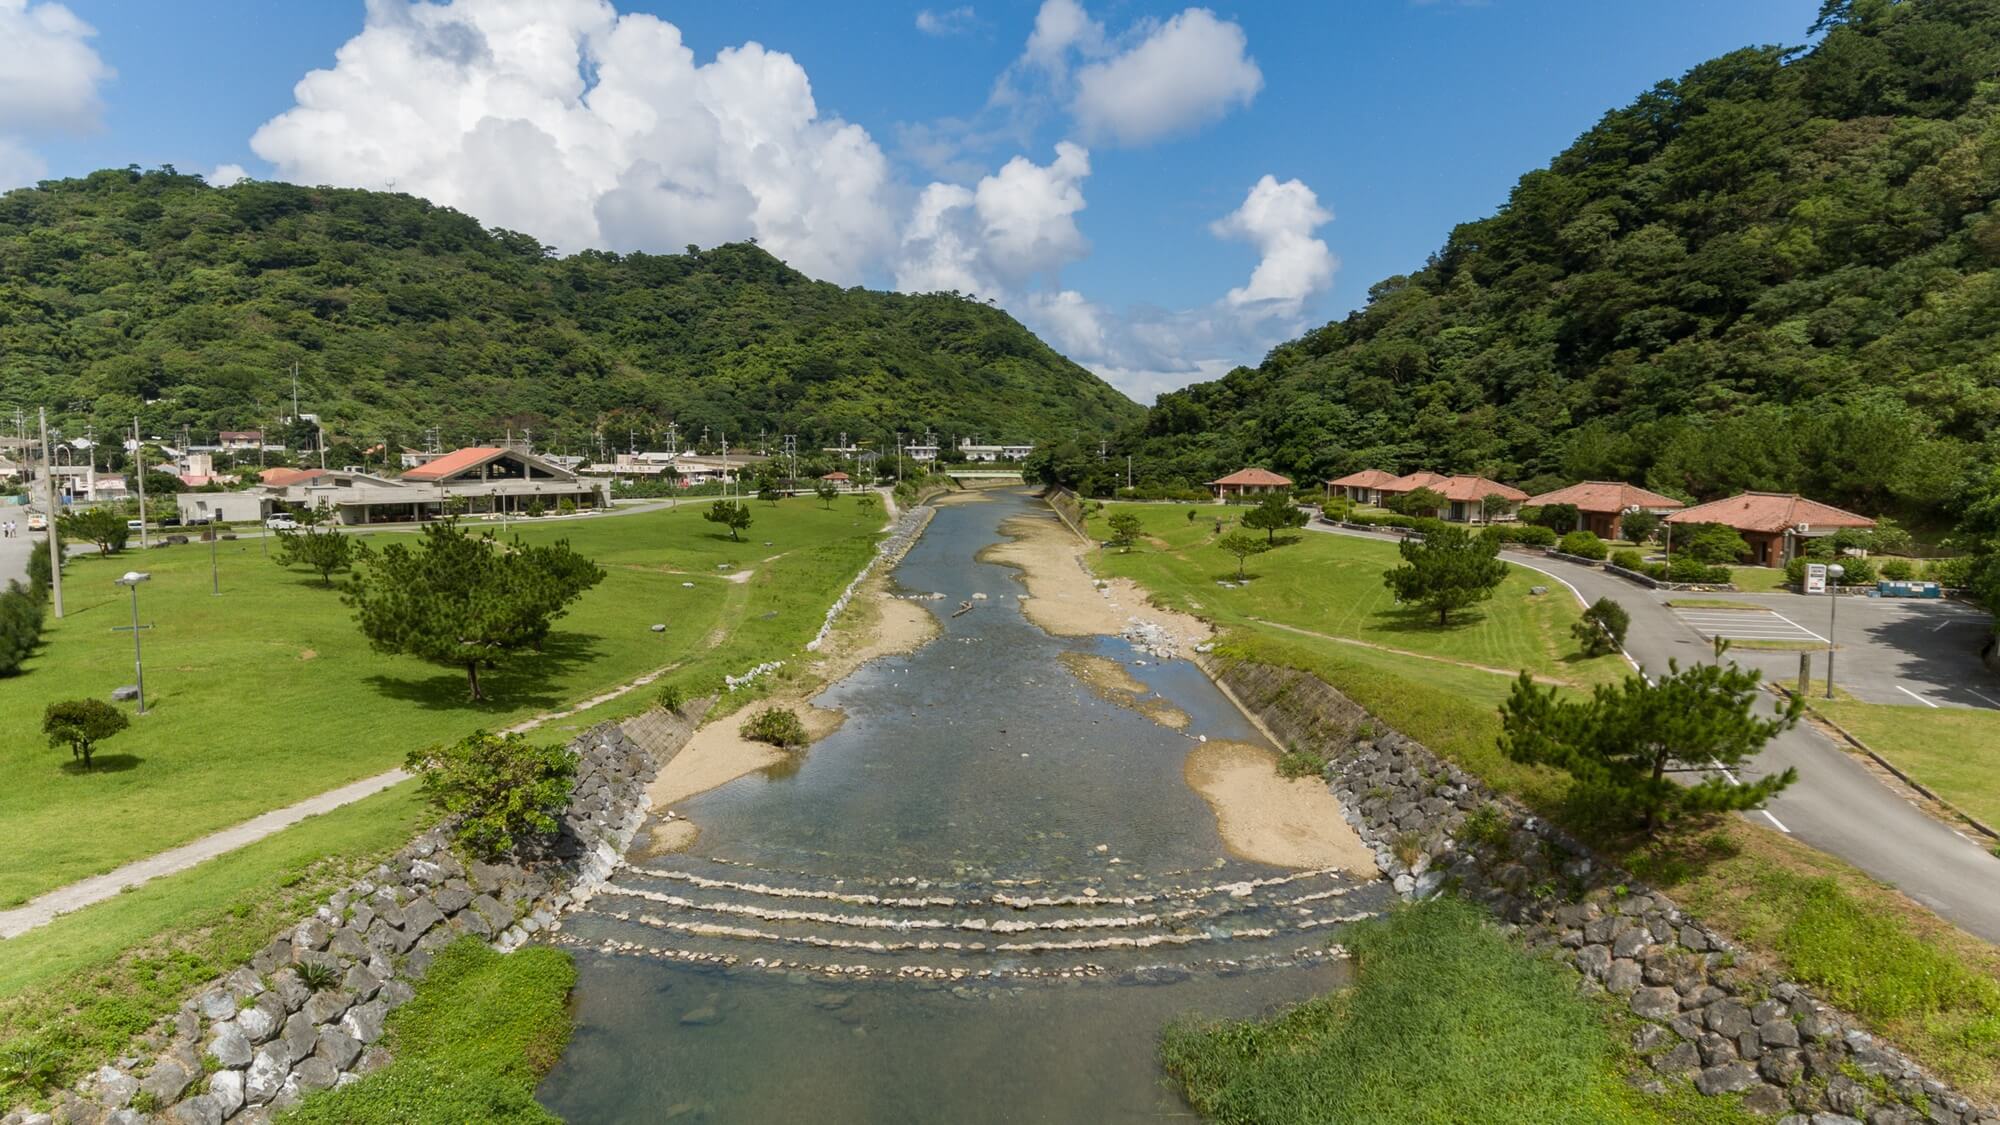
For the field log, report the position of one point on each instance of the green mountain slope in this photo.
(151, 293)
(1780, 271)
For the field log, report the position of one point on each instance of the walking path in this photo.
(1837, 805)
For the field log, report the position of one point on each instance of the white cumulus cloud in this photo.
(226, 174)
(1279, 220)
(1184, 73)
(584, 127)
(1015, 226)
(49, 79)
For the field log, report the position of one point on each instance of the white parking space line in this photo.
(1915, 696)
(1988, 702)
(1746, 625)
(1796, 625)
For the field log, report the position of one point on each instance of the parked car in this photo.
(282, 523)
(170, 521)
(37, 522)
(135, 525)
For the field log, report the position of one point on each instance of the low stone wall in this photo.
(261, 1038)
(1731, 1028)
(903, 534)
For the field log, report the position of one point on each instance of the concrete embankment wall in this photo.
(259, 1039)
(1729, 1027)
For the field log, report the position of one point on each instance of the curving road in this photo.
(1836, 805)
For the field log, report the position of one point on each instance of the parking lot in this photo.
(1906, 651)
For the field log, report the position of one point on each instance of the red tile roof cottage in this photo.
(1364, 487)
(1775, 524)
(1602, 504)
(1466, 496)
(1249, 482)
(1410, 482)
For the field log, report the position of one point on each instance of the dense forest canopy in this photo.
(153, 294)
(1781, 271)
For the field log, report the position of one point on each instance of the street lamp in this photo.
(131, 581)
(1833, 575)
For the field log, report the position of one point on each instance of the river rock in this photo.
(338, 1047)
(261, 1020)
(114, 1087)
(226, 1087)
(364, 1021)
(314, 1074)
(702, 1016)
(202, 1109)
(167, 1082)
(230, 1047)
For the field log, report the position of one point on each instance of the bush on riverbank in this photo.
(483, 1029)
(1447, 1021)
(778, 726)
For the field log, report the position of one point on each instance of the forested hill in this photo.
(151, 293)
(1780, 271)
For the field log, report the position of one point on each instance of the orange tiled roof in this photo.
(285, 478)
(1470, 489)
(455, 462)
(1254, 477)
(1410, 482)
(1769, 511)
(1606, 496)
(1366, 478)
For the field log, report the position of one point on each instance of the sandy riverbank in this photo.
(1064, 600)
(1113, 683)
(1289, 822)
(876, 625)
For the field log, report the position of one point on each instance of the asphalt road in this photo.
(1836, 805)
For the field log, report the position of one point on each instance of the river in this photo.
(977, 901)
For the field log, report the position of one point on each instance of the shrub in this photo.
(1584, 545)
(1710, 543)
(1657, 571)
(316, 975)
(670, 697)
(1640, 526)
(1299, 763)
(1955, 571)
(566, 507)
(1857, 572)
(20, 626)
(1898, 570)
(778, 726)
(1628, 559)
(1602, 628)
(535, 508)
(1529, 534)
(1795, 571)
(1687, 568)
(39, 574)
(500, 787)
(1560, 518)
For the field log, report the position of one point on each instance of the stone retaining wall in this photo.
(261, 1038)
(1728, 1027)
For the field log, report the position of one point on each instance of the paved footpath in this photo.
(1837, 805)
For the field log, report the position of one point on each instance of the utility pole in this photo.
(139, 452)
(55, 542)
(295, 390)
(1128, 470)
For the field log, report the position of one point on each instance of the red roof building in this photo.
(1775, 524)
(285, 478)
(456, 462)
(1468, 499)
(1364, 487)
(1249, 482)
(1410, 482)
(836, 476)
(1601, 505)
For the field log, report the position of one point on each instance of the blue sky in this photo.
(1150, 247)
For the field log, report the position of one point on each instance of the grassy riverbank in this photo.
(1914, 978)
(269, 694)
(1447, 1021)
(74, 992)
(483, 1029)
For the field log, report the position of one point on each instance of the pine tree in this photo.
(81, 724)
(1447, 569)
(1625, 747)
(1242, 546)
(463, 601)
(1276, 513)
(729, 514)
(322, 549)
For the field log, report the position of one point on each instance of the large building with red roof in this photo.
(1601, 505)
(1364, 487)
(1249, 482)
(1467, 498)
(1775, 524)
(482, 480)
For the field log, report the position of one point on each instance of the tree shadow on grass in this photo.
(527, 680)
(103, 763)
(1417, 619)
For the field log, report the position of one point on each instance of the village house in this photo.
(972, 452)
(1249, 482)
(1364, 487)
(485, 479)
(1602, 505)
(1468, 498)
(1774, 524)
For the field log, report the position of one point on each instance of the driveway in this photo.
(1836, 805)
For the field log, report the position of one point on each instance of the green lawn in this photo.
(1447, 1021)
(1954, 750)
(1758, 579)
(1332, 584)
(74, 992)
(482, 1030)
(269, 694)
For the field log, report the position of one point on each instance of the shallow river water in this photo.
(978, 901)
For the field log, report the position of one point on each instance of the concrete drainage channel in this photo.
(1730, 1029)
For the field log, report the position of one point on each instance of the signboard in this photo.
(1815, 578)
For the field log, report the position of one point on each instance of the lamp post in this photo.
(1833, 575)
(131, 581)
